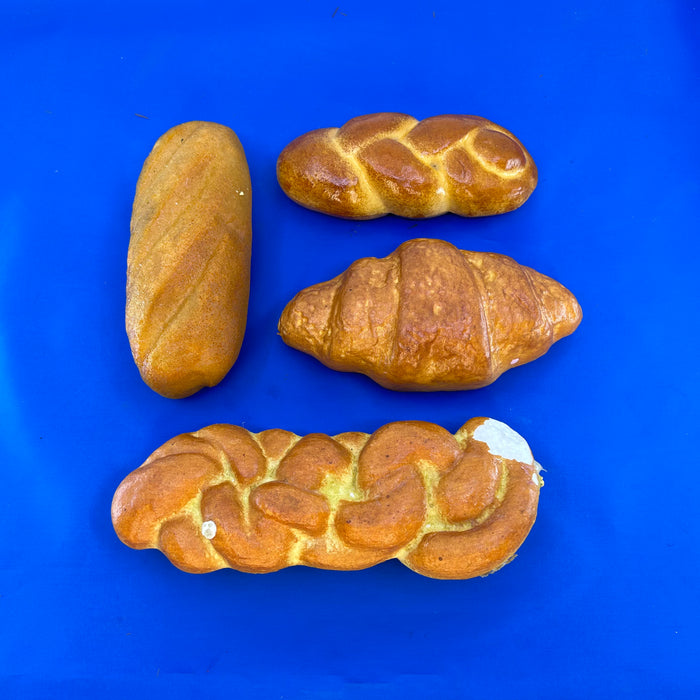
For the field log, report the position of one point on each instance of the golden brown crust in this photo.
(389, 163)
(188, 276)
(430, 317)
(448, 506)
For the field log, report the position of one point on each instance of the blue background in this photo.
(602, 600)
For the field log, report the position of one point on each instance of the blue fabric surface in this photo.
(602, 600)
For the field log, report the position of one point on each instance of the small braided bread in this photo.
(430, 317)
(391, 163)
(446, 506)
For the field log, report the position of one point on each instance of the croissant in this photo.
(390, 163)
(446, 506)
(188, 266)
(430, 317)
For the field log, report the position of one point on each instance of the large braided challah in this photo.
(430, 317)
(390, 163)
(446, 506)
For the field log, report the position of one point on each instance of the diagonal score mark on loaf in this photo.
(142, 270)
(153, 174)
(153, 268)
(463, 487)
(150, 183)
(158, 335)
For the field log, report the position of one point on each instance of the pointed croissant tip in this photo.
(564, 310)
(575, 318)
(559, 304)
(304, 321)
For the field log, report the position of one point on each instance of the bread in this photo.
(446, 506)
(188, 276)
(391, 163)
(430, 317)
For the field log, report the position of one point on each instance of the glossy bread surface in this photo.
(447, 506)
(390, 163)
(430, 317)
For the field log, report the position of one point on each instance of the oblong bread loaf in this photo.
(188, 269)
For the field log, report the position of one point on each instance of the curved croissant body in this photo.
(430, 317)
(188, 276)
(447, 506)
(390, 163)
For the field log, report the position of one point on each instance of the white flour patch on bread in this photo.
(503, 441)
(209, 529)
